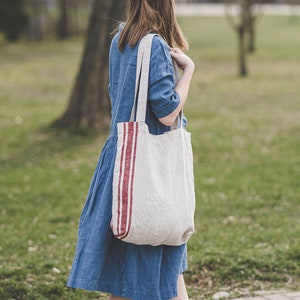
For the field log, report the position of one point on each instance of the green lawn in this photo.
(246, 140)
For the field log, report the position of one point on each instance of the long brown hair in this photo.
(152, 15)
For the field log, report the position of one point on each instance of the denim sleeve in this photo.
(161, 96)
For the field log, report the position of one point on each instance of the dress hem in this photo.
(113, 290)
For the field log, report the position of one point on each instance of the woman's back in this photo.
(161, 96)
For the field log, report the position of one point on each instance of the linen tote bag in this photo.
(153, 183)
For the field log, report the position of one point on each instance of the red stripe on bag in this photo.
(126, 178)
(120, 179)
(136, 127)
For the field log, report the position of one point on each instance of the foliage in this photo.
(246, 152)
(13, 18)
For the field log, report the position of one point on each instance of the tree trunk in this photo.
(241, 30)
(251, 34)
(62, 24)
(76, 17)
(250, 24)
(37, 21)
(242, 55)
(89, 105)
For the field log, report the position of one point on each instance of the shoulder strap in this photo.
(138, 111)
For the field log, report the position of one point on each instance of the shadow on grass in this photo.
(46, 142)
(238, 272)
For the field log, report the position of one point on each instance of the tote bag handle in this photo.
(138, 112)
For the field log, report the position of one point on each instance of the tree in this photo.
(89, 104)
(13, 19)
(75, 10)
(252, 13)
(62, 24)
(36, 30)
(243, 24)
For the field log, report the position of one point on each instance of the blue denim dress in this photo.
(102, 262)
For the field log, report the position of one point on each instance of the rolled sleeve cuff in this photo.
(167, 108)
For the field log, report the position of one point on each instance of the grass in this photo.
(246, 151)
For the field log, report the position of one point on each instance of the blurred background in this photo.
(41, 19)
(244, 116)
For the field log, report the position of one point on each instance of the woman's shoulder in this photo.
(116, 36)
(159, 43)
(114, 46)
(160, 51)
(118, 31)
(159, 47)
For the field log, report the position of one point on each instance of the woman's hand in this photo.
(182, 60)
(183, 85)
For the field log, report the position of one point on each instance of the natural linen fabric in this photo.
(102, 262)
(153, 186)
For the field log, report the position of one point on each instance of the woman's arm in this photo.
(183, 85)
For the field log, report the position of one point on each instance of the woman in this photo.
(102, 262)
